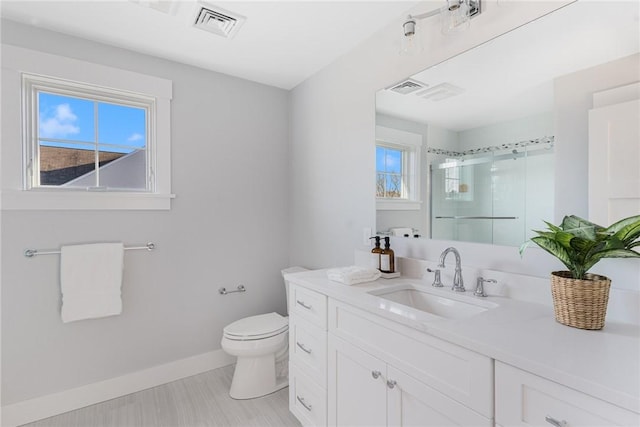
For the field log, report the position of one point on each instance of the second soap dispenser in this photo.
(387, 258)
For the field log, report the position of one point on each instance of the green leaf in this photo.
(629, 233)
(564, 239)
(617, 226)
(552, 227)
(587, 233)
(612, 253)
(572, 221)
(555, 249)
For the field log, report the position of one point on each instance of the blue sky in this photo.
(388, 160)
(63, 117)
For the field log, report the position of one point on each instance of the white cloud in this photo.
(60, 122)
(135, 137)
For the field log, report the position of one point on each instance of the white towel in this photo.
(90, 280)
(353, 275)
(401, 231)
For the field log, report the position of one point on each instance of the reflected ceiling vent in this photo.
(164, 6)
(218, 21)
(440, 92)
(407, 86)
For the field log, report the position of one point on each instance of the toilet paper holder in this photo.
(224, 291)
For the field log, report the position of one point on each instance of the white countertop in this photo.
(604, 364)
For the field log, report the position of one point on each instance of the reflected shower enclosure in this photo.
(492, 195)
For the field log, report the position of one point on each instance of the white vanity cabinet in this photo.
(382, 373)
(366, 391)
(356, 360)
(524, 399)
(308, 355)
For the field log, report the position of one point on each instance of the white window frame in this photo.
(22, 69)
(33, 84)
(410, 144)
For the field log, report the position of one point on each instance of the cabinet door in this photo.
(355, 386)
(524, 399)
(412, 403)
(614, 162)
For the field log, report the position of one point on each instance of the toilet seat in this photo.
(256, 327)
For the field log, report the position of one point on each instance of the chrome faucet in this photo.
(458, 283)
(479, 292)
(437, 283)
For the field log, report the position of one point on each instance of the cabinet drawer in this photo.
(307, 400)
(309, 348)
(459, 373)
(308, 304)
(524, 399)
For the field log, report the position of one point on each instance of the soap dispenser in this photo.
(375, 253)
(387, 258)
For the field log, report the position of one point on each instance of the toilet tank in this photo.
(286, 282)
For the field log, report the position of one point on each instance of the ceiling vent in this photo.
(440, 92)
(164, 6)
(218, 21)
(407, 86)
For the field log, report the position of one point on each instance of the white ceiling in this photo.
(512, 76)
(280, 44)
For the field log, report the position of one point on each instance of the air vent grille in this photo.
(220, 22)
(407, 87)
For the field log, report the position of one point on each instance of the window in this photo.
(397, 169)
(88, 138)
(391, 179)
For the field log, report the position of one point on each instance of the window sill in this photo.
(72, 200)
(398, 205)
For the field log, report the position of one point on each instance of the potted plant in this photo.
(580, 298)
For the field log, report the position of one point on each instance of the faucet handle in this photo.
(436, 279)
(479, 292)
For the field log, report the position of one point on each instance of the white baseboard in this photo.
(57, 403)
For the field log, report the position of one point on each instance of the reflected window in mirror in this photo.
(397, 169)
(391, 173)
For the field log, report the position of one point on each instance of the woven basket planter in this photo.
(580, 303)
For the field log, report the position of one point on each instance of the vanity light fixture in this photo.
(455, 16)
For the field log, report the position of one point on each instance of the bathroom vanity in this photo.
(399, 352)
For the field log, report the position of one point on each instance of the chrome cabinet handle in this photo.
(308, 307)
(303, 348)
(555, 422)
(306, 405)
(391, 383)
(376, 374)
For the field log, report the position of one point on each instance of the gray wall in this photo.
(227, 226)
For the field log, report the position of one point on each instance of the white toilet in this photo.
(261, 346)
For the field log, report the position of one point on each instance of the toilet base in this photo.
(256, 377)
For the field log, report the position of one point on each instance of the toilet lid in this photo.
(260, 326)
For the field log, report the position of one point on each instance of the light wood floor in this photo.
(197, 401)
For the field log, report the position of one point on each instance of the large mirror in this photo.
(465, 149)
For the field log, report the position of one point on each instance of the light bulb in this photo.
(410, 43)
(455, 16)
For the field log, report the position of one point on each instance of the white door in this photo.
(614, 162)
(413, 403)
(356, 386)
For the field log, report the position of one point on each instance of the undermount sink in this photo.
(449, 308)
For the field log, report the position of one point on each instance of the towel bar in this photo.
(29, 253)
